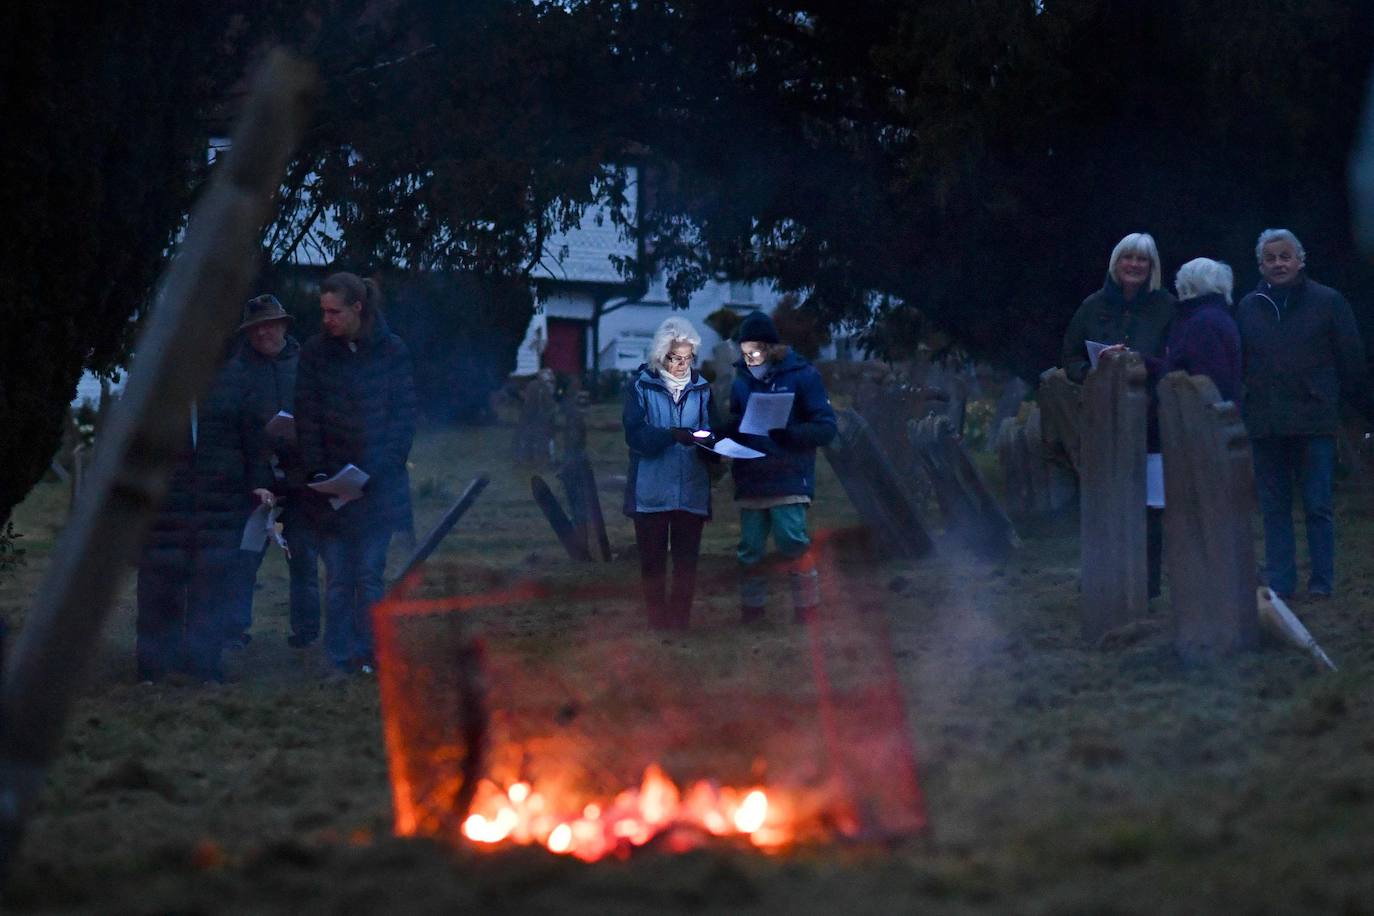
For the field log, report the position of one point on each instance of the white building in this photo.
(579, 272)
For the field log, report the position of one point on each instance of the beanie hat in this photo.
(757, 326)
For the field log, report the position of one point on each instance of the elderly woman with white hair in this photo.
(1131, 308)
(1204, 339)
(1131, 311)
(668, 488)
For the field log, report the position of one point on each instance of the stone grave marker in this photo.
(1209, 491)
(1112, 494)
(534, 432)
(968, 508)
(1061, 413)
(883, 498)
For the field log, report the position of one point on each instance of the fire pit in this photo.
(545, 713)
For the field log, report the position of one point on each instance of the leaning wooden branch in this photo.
(196, 309)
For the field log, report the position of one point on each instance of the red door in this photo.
(566, 346)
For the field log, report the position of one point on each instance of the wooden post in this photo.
(197, 308)
(885, 502)
(1112, 494)
(1209, 496)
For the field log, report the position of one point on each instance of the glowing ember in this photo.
(522, 814)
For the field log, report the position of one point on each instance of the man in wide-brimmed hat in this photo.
(266, 364)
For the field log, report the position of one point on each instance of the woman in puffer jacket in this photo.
(668, 488)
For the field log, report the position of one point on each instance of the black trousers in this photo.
(657, 534)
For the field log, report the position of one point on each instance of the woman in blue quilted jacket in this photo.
(668, 488)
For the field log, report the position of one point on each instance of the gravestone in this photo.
(887, 406)
(534, 432)
(1209, 490)
(1112, 494)
(1061, 413)
(579, 483)
(968, 508)
(1012, 457)
(883, 498)
(558, 520)
(1035, 480)
(723, 357)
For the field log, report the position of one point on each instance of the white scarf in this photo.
(675, 385)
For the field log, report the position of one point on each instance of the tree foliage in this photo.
(104, 114)
(954, 165)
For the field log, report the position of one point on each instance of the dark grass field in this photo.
(1058, 777)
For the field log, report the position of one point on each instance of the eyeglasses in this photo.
(673, 359)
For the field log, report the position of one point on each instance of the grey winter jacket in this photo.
(665, 476)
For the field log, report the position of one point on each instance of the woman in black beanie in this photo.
(774, 491)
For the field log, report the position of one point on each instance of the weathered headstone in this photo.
(968, 508)
(1112, 494)
(1036, 481)
(883, 498)
(887, 406)
(558, 520)
(1061, 412)
(1209, 491)
(1011, 455)
(535, 430)
(723, 357)
(579, 483)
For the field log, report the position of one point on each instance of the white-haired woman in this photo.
(668, 488)
(1131, 308)
(1204, 339)
(1131, 311)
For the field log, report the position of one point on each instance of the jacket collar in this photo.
(286, 352)
(648, 376)
(1197, 304)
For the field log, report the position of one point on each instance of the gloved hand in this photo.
(781, 436)
(682, 435)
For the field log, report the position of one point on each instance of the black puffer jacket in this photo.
(1300, 358)
(355, 403)
(269, 387)
(210, 495)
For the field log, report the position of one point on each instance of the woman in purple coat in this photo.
(1204, 339)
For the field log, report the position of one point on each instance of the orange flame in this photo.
(522, 814)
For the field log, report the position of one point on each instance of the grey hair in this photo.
(1278, 235)
(1137, 243)
(670, 333)
(1201, 276)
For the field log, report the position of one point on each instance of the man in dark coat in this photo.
(773, 492)
(1301, 353)
(191, 555)
(355, 404)
(266, 364)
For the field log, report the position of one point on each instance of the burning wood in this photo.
(523, 815)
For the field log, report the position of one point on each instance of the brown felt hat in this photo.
(263, 308)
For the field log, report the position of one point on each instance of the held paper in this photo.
(766, 410)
